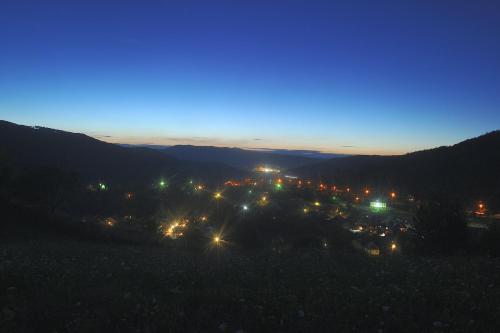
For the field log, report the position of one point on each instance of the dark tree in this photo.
(441, 226)
(48, 187)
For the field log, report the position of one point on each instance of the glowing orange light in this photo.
(367, 191)
(393, 195)
(481, 209)
(217, 240)
(348, 189)
(394, 247)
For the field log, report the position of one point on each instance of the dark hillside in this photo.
(470, 169)
(33, 147)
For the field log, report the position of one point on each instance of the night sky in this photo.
(336, 76)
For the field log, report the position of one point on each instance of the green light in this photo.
(278, 186)
(377, 205)
(162, 183)
(102, 186)
(250, 191)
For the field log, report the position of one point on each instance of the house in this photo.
(372, 249)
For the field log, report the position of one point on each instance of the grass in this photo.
(52, 284)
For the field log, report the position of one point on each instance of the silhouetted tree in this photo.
(6, 173)
(491, 240)
(48, 187)
(441, 226)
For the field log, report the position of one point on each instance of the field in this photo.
(56, 284)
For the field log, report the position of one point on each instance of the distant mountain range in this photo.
(470, 169)
(239, 158)
(244, 158)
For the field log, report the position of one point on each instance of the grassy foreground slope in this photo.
(66, 285)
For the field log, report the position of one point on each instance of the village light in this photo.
(217, 240)
(378, 206)
(393, 247)
(367, 191)
(481, 208)
(162, 183)
(317, 204)
(393, 195)
(102, 186)
(217, 195)
(245, 207)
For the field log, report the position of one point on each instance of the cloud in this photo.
(348, 146)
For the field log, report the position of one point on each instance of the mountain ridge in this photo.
(92, 159)
(470, 168)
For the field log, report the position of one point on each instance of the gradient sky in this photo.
(337, 76)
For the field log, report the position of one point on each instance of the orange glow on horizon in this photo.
(122, 138)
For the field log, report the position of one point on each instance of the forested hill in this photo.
(29, 147)
(469, 169)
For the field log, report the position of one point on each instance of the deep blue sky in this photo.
(339, 76)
